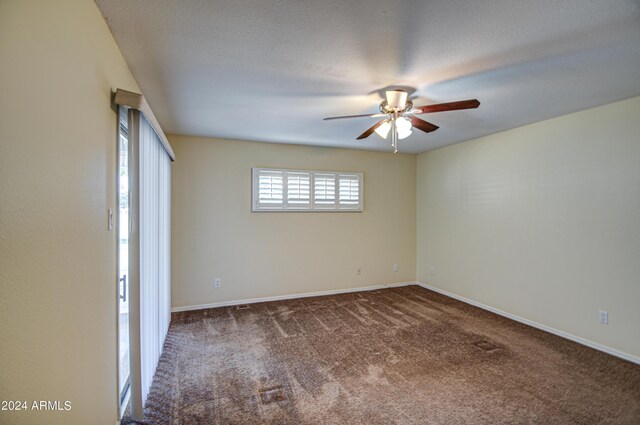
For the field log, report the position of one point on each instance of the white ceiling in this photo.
(270, 70)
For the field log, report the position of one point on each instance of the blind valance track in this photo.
(137, 101)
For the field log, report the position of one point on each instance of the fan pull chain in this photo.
(394, 134)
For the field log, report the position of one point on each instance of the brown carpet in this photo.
(395, 356)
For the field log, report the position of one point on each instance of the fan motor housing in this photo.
(386, 109)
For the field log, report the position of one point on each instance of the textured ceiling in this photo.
(270, 70)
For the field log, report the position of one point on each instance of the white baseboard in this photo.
(290, 296)
(563, 334)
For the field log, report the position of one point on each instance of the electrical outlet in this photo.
(358, 270)
(603, 317)
(432, 272)
(395, 268)
(217, 283)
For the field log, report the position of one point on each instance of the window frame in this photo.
(312, 207)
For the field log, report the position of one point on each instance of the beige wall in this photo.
(58, 65)
(215, 234)
(541, 221)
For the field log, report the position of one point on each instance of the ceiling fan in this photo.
(399, 116)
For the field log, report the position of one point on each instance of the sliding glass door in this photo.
(123, 257)
(144, 254)
(148, 271)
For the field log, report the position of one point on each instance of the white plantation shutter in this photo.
(303, 190)
(349, 191)
(298, 189)
(270, 189)
(324, 192)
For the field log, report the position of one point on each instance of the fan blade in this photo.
(423, 125)
(355, 116)
(450, 106)
(370, 130)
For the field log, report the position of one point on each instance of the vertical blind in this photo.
(155, 309)
(150, 307)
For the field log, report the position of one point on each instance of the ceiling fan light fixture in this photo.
(401, 116)
(403, 127)
(396, 99)
(383, 129)
(404, 134)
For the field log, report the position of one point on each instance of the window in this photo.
(301, 190)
